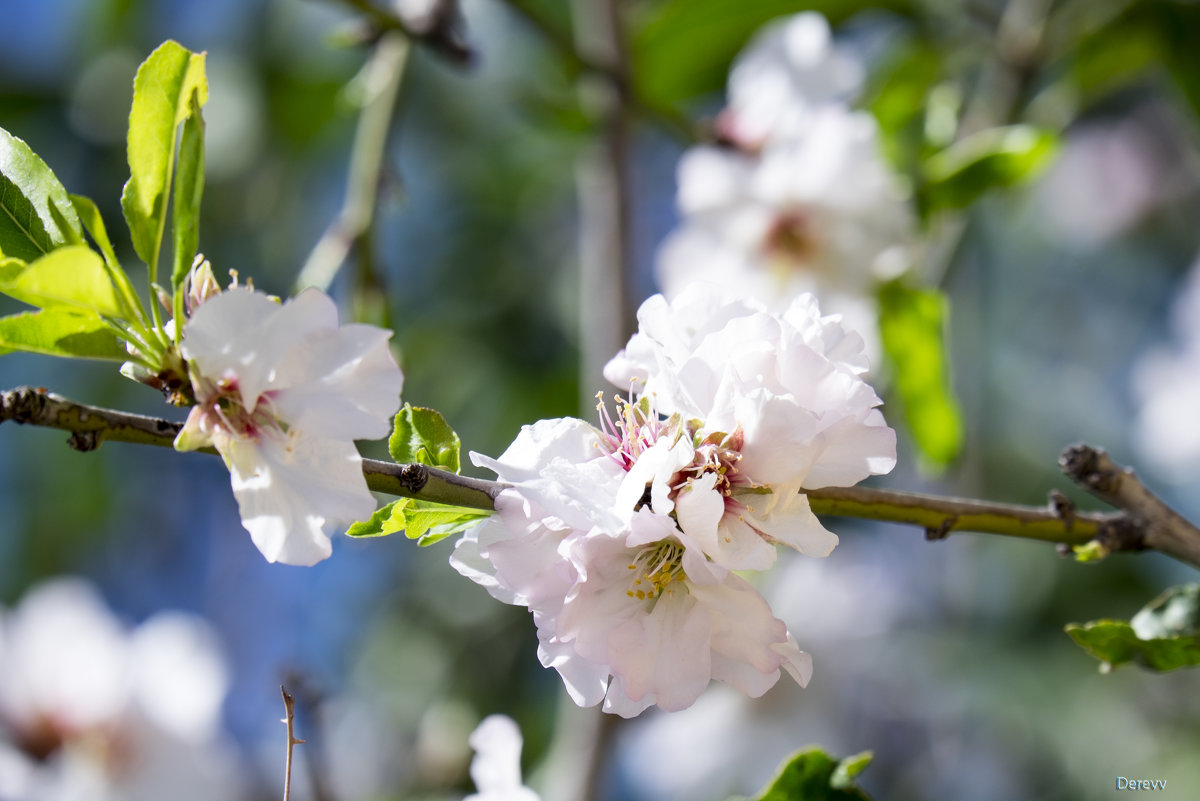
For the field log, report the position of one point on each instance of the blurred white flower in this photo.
(496, 768)
(92, 710)
(282, 391)
(1167, 385)
(820, 212)
(789, 68)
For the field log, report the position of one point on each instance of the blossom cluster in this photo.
(797, 198)
(625, 540)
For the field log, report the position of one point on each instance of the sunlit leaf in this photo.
(993, 158)
(189, 189)
(28, 191)
(60, 332)
(388, 519)
(72, 277)
(912, 323)
(423, 436)
(423, 521)
(163, 90)
(1164, 635)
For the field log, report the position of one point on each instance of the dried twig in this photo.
(292, 741)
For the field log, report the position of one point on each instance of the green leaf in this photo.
(72, 277)
(912, 323)
(813, 775)
(432, 522)
(423, 521)
(990, 159)
(28, 191)
(423, 436)
(93, 223)
(849, 768)
(163, 90)
(60, 332)
(1164, 635)
(388, 519)
(189, 188)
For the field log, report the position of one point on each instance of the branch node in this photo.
(414, 477)
(942, 530)
(84, 441)
(1063, 508)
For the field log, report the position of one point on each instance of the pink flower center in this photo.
(793, 239)
(635, 429)
(223, 408)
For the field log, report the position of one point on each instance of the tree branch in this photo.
(1153, 524)
(1142, 522)
(380, 79)
(668, 119)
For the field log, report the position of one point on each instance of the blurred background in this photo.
(948, 659)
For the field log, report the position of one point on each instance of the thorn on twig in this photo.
(84, 441)
(942, 530)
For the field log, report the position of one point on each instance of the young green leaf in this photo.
(163, 90)
(432, 522)
(423, 436)
(60, 332)
(93, 223)
(73, 277)
(993, 158)
(28, 191)
(1164, 635)
(813, 775)
(912, 323)
(189, 188)
(388, 519)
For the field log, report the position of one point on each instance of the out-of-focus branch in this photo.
(381, 78)
(439, 38)
(1142, 521)
(602, 188)
(578, 57)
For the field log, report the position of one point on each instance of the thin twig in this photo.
(292, 741)
(1134, 527)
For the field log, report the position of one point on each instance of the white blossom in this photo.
(789, 68)
(496, 768)
(791, 384)
(628, 607)
(1166, 382)
(281, 392)
(819, 212)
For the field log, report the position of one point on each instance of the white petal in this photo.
(287, 488)
(664, 653)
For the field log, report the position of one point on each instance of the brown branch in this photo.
(1142, 522)
(292, 741)
(1152, 523)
